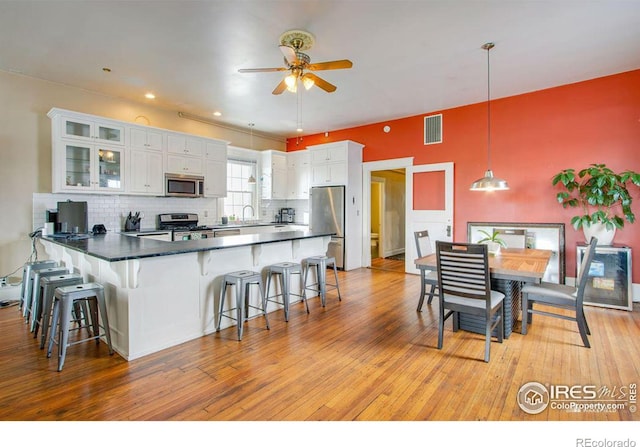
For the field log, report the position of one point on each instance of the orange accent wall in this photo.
(533, 136)
(429, 191)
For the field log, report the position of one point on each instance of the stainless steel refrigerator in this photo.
(327, 214)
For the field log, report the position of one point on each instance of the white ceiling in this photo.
(409, 57)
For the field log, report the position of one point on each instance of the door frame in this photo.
(367, 168)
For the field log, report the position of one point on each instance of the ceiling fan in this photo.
(292, 45)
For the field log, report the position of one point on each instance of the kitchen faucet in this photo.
(253, 212)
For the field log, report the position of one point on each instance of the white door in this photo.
(429, 206)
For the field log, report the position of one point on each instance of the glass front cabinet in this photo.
(609, 283)
(89, 167)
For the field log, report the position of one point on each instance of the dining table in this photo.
(509, 269)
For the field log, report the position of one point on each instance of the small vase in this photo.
(599, 230)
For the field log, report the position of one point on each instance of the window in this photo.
(239, 192)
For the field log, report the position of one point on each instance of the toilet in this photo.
(374, 245)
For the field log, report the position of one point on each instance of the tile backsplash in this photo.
(112, 210)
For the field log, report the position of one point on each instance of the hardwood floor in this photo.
(370, 357)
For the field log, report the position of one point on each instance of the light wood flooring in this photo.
(370, 357)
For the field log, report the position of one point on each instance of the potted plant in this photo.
(602, 196)
(493, 241)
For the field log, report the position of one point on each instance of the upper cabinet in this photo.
(94, 154)
(87, 130)
(298, 170)
(182, 144)
(273, 181)
(333, 163)
(144, 138)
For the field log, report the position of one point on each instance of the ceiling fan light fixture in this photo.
(308, 83)
(292, 83)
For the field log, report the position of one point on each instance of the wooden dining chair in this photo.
(560, 296)
(427, 277)
(465, 287)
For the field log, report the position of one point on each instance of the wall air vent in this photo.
(433, 129)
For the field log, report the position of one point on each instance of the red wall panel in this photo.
(533, 136)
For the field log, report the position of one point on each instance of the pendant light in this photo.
(251, 180)
(489, 182)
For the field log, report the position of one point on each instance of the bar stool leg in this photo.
(335, 276)
(284, 285)
(322, 280)
(239, 309)
(223, 292)
(263, 298)
(63, 333)
(105, 320)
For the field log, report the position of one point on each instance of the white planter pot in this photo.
(605, 237)
(493, 247)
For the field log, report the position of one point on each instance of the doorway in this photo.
(386, 178)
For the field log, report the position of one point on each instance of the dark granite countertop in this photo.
(114, 247)
(220, 227)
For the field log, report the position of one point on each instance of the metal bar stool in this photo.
(26, 287)
(285, 270)
(32, 302)
(320, 287)
(48, 286)
(241, 280)
(63, 300)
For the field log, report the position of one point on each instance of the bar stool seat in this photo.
(284, 270)
(241, 280)
(63, 300)
(320, 263)
(48, 285)
(26, 287)
(32, 304)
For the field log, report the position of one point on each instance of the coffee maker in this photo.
(287, 215)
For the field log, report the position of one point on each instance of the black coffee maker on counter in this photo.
(287, 215)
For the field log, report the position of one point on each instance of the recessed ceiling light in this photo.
(217, 113)
(299, 129)
(150, 95)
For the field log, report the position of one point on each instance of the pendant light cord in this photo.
(488, 48)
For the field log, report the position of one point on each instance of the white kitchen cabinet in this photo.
(86, 129)
(298, 171)
(329, 164)
(145, 173)
(179, 164)
(215, 178)
(79, 167)
(215, 169)
(273, 181)
(143, 138)
(183, 144)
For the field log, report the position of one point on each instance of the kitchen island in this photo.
(160, 293)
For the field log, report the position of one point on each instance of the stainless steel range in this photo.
(184, 226)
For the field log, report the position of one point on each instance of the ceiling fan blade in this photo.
(261, 70)
(324, 85)
(280, 88)
(289, 54)
(330, 65)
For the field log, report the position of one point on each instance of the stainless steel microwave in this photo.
(178, 185)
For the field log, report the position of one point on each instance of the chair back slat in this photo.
(581, 282)
(463, 270)
(423, 243)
